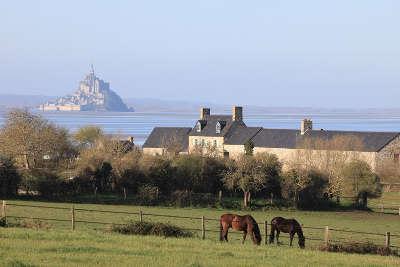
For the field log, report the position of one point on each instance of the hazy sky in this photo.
(341, 53)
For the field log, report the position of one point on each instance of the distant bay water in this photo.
(140, 124)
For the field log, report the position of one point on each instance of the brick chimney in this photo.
(306, 125)
(237, 113)
(204, 113)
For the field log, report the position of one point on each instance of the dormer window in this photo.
(200, 125)
(219, 126)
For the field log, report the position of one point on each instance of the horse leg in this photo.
(277, 236)
(272, 235)
(221, 232)
(244, 236)
(291, 238)
(226, 235)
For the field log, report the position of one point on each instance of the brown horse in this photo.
(245, 223)
(290, 226)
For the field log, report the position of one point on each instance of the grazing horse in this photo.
(245, 223)
(290, 226)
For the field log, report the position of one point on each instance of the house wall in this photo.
(316, 157)
(153, 150)
(234, 150)
(389, 150)
(208, 144)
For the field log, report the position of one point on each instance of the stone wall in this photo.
(389, 150)
(206, 143)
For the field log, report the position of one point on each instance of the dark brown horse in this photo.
(290, 226)
(245, 223)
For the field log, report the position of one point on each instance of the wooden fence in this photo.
(317, 235)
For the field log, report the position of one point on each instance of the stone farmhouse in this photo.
(228, 135)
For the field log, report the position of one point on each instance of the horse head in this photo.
(256, 233)
(302, 241)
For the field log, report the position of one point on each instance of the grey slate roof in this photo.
(287, 138)
(160, 135)
(210, 123)
(241, 135)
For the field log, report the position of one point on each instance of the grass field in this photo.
(390, 200)
(360, 221)
(27, 247)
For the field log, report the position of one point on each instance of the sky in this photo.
(341, 53)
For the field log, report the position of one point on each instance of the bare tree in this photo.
(171, 145)
(32, 140)
(328, 155)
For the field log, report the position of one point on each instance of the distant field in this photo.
(25, 247)
(360, 221)
(390, 200)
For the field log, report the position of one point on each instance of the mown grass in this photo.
(350, 220)
(27, 247)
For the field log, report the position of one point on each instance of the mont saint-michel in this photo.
(93, 94)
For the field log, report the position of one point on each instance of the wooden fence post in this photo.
(220, 196)
(326, 236)
(399, 211)
(203, 228)
(266, 232)
(140, 215)
(4, 211)
(382, 208)
(387, 241)
(73, 218)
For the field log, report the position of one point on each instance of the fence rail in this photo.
(323, 235)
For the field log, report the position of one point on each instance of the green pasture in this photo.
(359, 221)
(27, 247)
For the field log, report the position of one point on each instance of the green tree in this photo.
(188, 174)
(9, 177)
(251, 174)
(361, 182)
(306, 187)
(248, 148)
(127, 174)
(158, 171)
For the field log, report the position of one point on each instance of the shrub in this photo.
(181, 198)
(3, 222)
(9, 177)
(34, 224)
(148, 228)
(361, 182)
(359, 248)
(306, 187)
(45, 183)
(148, 194)
(184, 198)
(159, 172)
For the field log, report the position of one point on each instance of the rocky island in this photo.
(93, 94)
